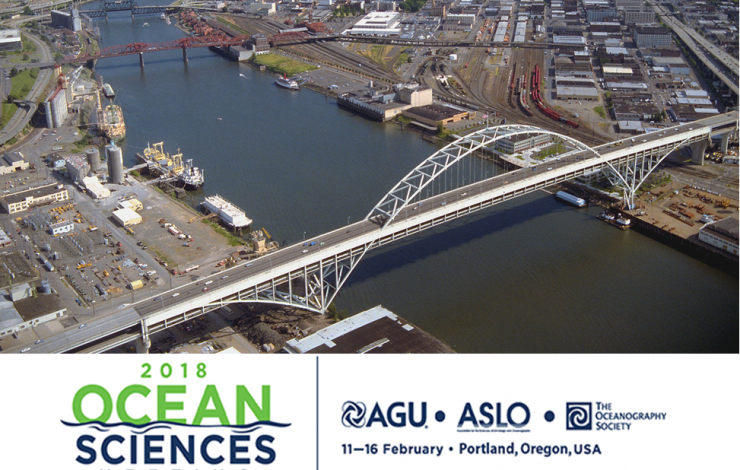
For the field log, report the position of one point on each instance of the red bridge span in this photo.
(142, 47)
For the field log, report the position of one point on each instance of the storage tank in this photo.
(453, 57)
(93, 159)
(115, 163)
(45, 287)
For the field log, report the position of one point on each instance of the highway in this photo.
(205, 292)
(703, 48)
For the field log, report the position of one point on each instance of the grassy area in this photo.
(279, 64)
(233, 239)
(600, 111)
(9, 110)
(85, 140)
(29, 46)
(23, 82)
(377, 54)
(163, 257)
(232, 25)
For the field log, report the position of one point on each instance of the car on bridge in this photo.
(304, 251)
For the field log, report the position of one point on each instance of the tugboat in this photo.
(286, 82)
(191, 177)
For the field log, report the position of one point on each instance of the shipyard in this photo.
(107, 208)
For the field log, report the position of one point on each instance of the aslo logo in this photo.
(173, 424)
(516, 415)
(396, 415)
(578, 416)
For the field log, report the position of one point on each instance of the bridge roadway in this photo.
(174, 306)
(703, 48)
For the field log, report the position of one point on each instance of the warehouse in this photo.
(126, 217)
(21, 201)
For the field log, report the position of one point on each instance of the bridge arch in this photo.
(425, 173)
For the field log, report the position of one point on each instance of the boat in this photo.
(162, 17)
(113, 126)
(286, 82)
(191, 177)
(570, 199)
(616, 220)
(227, 212)
(108, 91)
(145, 24)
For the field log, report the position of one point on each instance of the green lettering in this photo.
(243, 395)
(121, 404)
(163, 405)
(210, 393)
(99, 391)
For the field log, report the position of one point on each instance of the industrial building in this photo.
(435, 114)
(133, 204)
(576, 88)
(5, 240)
(62, 19)
(55, 106)
(12, 162)
(59, 228)
(722, 234)
(374, 331)
(521, 142)
(93, 186)
(126, 217)
(77, 167)
(21, 309)
(653, 37)
(378, 24)
(93, 159)
(10, 40)
(22, 200)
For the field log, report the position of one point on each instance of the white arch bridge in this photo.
(452, 183)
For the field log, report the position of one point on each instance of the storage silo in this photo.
(93, 159)
(115, 163)
(45, 287)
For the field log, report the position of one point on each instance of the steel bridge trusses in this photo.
(406, 191)
(182, 43)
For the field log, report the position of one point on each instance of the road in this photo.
(342, 239)
(23, 116)
(727, 68)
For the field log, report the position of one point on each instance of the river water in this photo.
(530, 275)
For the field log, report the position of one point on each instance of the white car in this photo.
(304, 251)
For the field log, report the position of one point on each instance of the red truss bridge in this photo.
(142, 47)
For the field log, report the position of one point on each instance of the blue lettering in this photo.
(484, 411)
(418, 424)
(104, 449)
(400, 415)
(511, 408)
(204, 449)
(149, 449)
(83, 448)
(266, 449)
(187, 452)
(235, 448)
(467, 415)
(377, 415)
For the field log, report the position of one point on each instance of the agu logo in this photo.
(578, 416)
(353, 414)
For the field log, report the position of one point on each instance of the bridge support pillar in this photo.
(725, 140)
(143, 345)
(185, 54)
(697, 151)
(141, 59)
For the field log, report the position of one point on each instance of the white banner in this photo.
(176, 412)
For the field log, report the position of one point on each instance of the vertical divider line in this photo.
(317, 412)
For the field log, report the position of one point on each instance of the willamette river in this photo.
(530, 275)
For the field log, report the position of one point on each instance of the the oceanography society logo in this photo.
(578, 416)
(173, 417)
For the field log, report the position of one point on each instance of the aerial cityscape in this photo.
(329, 176)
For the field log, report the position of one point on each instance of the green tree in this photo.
(27, 11)
(58, 57)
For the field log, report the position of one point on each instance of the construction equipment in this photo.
(82, 264)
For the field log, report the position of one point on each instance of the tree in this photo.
(27, 11)
(26, 56)
(58, 57)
